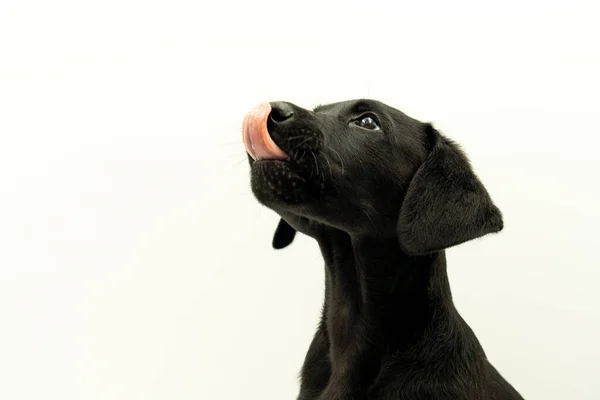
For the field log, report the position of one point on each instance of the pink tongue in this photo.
(256, 137)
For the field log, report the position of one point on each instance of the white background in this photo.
(134, 261)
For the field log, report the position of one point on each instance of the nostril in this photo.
(280, 112)
(278, 116)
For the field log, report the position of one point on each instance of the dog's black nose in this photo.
(281, 112)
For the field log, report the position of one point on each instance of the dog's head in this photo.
(367, 169)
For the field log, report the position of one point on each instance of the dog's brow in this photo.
(361, 106)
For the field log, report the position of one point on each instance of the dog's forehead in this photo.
(349, 106)
(356, 106)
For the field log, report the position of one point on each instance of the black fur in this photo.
(383, 205)
(284, 235)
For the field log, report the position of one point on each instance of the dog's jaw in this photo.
(283, 160)
(276, 182)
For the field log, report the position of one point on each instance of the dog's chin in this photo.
(278, 183)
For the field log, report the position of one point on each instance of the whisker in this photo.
(295, 137)
(303, 154)
(300, 216)
(234, 166)
(327, 159)
(339, 156)
(370, 219)
(302, 142)
(316, 163)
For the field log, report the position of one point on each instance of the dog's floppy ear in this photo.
(284, 235)
(445, 203)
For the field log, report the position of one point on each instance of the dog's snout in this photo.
(281, 112)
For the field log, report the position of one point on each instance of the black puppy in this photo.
(383, 194)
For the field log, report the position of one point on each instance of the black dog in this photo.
(384, 195)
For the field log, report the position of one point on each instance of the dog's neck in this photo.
(380, 301)
(372, 278)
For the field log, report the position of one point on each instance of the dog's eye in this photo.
(368, 122)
